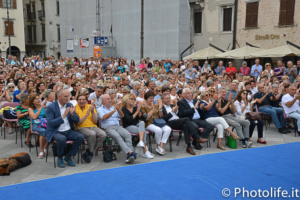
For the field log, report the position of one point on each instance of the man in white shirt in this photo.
(290, 104)
(97, 96)
(61, 117)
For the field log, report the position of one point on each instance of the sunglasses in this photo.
(131, 99)
(125, 92)
(245, 93)
(11, 87)
(33, 91)
(158, 90)
(268, 65)
(206, 95)
(212, 91)
(87, 94)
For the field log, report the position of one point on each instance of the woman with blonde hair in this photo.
(132, 123)
(268, 71)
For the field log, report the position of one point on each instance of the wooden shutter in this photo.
(252, 14)
(14, 2)
(11, 27)
(290, 10)
(198, 22)
(1, 3)
(6, 27)
(282, 12)
(227, 19)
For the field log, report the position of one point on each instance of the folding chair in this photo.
(294, 121)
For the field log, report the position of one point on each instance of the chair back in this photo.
(11, 104)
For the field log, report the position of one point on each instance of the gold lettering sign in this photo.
(267, 37)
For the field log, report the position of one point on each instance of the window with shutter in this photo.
(9, 28)
(1, 4)
(227, 19)
(6, 3)
(198, 22)
(15, 4)
(286, 13)
(29, 29)
(251, 15)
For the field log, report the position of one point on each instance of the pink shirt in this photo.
(245, 71)
(142, 66)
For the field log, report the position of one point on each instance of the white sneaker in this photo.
(140, 144)
(249, 144)
(148, 154)
(159, 150)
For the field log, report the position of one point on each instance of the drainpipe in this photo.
(234, 24)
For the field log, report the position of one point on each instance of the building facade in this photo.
(268, 23)
(42, 27)
(212, 22)
(12, 26)
(166, 27)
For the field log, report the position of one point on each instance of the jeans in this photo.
(40, 130)
(62, 137)
(273, 112)
(260, 127)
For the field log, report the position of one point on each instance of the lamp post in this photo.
(9, 43)
(142, 29)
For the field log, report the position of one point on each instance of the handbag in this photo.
(108, 154)
(159, 122)
(253, 116)
(231, 143)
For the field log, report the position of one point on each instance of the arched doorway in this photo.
(15, 51)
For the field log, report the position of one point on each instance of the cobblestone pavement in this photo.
(39, 169)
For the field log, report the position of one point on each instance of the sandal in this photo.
(29, 144)
(221, 147)
(236, 137)
(41, 155)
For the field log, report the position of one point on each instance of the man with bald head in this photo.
(109, 120)
(61, 117)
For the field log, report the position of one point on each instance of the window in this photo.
(58, 33)
(9, 28)
(286, 14)
(29, 31)
(43, 8)
(251, 14)
(28, 8)
(227, 19)
(34, 33)
(7, 3)
(43, 32)
(198, 22)
(57, 7)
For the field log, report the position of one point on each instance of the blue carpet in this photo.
(189, 178)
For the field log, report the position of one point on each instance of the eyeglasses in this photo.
(33, 91)
(87, 94)
(206, 95)
(131, 99)
(158, 90)
(268, 65)
(125, 92)
(47, 82)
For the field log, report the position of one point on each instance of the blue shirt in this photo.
(220, 70)
(42, 115)
(113, 120)
(196, 114)
(264, 103)
(15, 94)
(256, 74)
(167, 66)
(156, 98)
(212, 112)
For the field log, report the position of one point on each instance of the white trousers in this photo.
(220, 123)
(161, 134)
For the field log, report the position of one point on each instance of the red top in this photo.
(231, 70)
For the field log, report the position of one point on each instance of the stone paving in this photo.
(39, 169)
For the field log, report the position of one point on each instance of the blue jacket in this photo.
(54, 119)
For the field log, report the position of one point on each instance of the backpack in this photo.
(108, 154)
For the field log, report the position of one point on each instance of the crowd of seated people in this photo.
(86, 101)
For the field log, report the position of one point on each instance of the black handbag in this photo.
(108, 154)
(10, 114)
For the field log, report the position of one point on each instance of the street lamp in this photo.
(9, 44)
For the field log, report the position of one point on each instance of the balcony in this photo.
(41, 15)
(31, 16)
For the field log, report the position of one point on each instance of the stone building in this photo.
(268, 23)
(42, 27)
(13, 26)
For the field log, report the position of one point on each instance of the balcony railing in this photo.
(41, 15)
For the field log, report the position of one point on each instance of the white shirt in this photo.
(66, 125)
(253, 90)
(169, 110)
(238, 108)
(182, 67)
(295, 107)
(98, 101)
(139, 99)
(196, 114)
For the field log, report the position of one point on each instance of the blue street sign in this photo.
(101, 41)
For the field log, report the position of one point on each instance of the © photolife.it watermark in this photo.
(273, 192)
